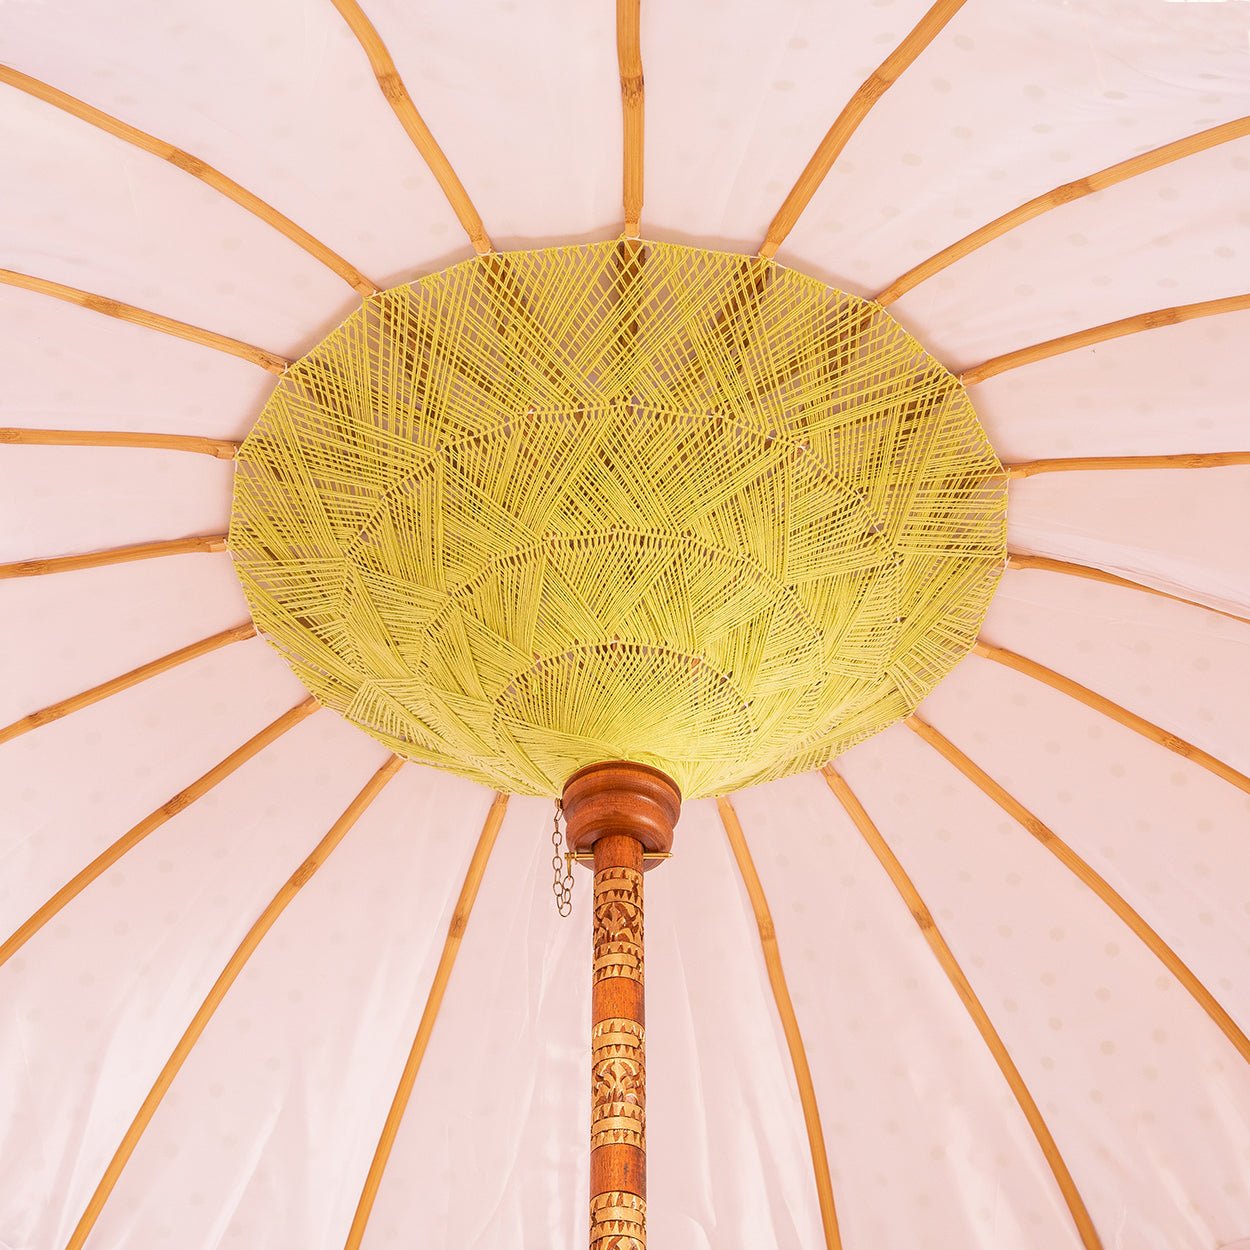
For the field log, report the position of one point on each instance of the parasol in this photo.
(980, 981)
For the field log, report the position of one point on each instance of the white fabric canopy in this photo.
(266, 1134)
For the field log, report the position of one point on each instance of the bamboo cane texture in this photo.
(115, 555)
(167, 811)
(221, 448)
(629, 58)
(1100, 464)
(434, 1000)
(1015, 560)
(972, 1004)
(74, 703)
(193, 166)
(397, 96)
(789, 1021)
(847, 122)
(1089, 878)
(1065, 194)
(1100, 703)
(229, 974)
(149, 320)
(1155, 320)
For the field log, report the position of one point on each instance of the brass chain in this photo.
(562, 885)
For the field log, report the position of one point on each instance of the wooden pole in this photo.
(619, 811)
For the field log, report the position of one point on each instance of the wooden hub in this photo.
(619, 810)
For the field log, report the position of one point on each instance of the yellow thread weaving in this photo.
(619, 501)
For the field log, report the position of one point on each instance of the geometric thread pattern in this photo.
(624, 501)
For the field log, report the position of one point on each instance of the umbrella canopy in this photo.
(982, 982)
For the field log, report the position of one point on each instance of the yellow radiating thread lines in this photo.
(620, 500)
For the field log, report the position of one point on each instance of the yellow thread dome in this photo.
(619, 501)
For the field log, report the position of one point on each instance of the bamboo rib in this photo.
(1045, 564)
(193, 166)
(183, 799)
(115, 555)
(629, 58)
(789, 1021)
(455, 932)
(1059, 196)
(149, 320)
(1100, 334)
(1088, 876)
(45, 716)
(874, 87)
(221, 448)
(397, 95)
(296, 882)
(955, 974)
(1100, 703)
(1089, 464)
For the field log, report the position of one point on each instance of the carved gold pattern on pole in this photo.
(618, 1081)
(618, 1221)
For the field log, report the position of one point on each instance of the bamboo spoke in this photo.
(1088, 876)
(222, 448)
(629, 58)
(1100, 703)
(74, 703)
(1089, 464)
(193, 166)
(1100, 334)
(455, 932)
(876, 85)
(115, 555)
(298, 879)
(963, 987)
(1045, 564)
(397, 96)
(1065, 194)
(183, 799)
(789, 1021)
(149, 320)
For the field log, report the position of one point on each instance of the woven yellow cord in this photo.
(619, 501)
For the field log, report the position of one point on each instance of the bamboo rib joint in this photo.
(149, 320)
(229, 974)
(619, 501)
(116, 555)
(847, 122)
(1155, 320)
(789, 1021)
(45, 716)
(221, 448)
(397, 96)
(1089, 877)
(1100, 703)
(1044, 564)
(972, 1004)
(1059, 196)
(193, 166)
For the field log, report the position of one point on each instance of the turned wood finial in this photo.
(616, 797)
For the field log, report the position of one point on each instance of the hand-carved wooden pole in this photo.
(621, 811)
